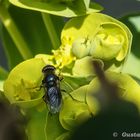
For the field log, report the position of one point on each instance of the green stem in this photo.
(51, 30)
(36, 124)
(3, 73)
(14, 33)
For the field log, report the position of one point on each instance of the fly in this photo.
(51, 85)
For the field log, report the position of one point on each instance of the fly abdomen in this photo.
(54, 99)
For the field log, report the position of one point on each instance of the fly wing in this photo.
(54, 99)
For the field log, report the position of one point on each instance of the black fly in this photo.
(51, 85)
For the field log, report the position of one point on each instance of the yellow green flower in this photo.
(23, 82)
(63, 56)
(99, 36)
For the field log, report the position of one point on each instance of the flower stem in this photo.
(51, 30)
(37, 120)
(14, 33)
(3, 73)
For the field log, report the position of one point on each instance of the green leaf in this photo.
(60, 8)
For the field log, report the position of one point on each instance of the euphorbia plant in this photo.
(88, 37)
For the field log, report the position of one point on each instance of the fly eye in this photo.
(48, 68)
(44, 70)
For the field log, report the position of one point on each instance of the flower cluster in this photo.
(95, 37)
(90, 37)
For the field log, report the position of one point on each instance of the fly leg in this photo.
(36, 88)
(44, 98)
(40, 87)
(71, 96)
(67, 94)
